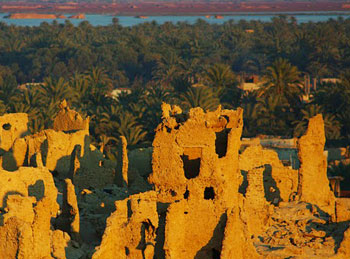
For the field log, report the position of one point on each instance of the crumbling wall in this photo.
(16, 239)
(131, 229)
(67, 154)
(280, 182)
(194, 229)
(195, 153)
(255, 205)
(237, 242)
(89, 170)
(195, 168)
(342, 209)
(69, 120)
(59, 243)
(27, 181)
(55, 145)
(123, 163)
(202, 206)
(69, 219)
(140, 160)
(55, 149)
(28, 197)
(313, 184)
(12, 126)
(60, 146)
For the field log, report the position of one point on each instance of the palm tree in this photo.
(345, 79)
(13, 45)
(102, 121)
(249, 118)
(81, 90)
(37, 124)
(325, 54)
(219, 75)
(344, 119)
(169, 67)
(55, 90)
(104, 140)
(8, 88)
(20, 107)
(225, 83)
(282, 79)
(201, 96)
(151, 102)
(2, 107)
(29, 97)
(98, 78)
(193, 70)
(48, 113)
(335, 98)
(271, 116)
(331, 124)
(128, 127)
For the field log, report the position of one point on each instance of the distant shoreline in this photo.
(50, 16)
(179, 8)
(191, 14)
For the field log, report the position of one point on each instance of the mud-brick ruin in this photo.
(196, 193)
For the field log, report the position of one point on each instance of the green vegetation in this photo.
(188, 65)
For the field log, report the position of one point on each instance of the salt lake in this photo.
(102, 19)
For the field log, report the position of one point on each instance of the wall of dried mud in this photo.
(200, 196)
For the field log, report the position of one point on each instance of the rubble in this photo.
(194, 194)
(301, 230)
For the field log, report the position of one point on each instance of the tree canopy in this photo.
(188, 65)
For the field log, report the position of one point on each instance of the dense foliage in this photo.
(188, 65)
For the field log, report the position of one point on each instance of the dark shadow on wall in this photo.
(37, 190)
(212, 249)
(4, 204)
(272, 193)
(44, 148)
(159, 252)
(243, 187)
(8, 160)
(221, 142)
(147, 229)
(191, 160)
(67, 166)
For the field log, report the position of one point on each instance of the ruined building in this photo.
(197, 193)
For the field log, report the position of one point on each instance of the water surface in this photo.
(101, 19)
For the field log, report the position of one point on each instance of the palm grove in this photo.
(183, 64)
